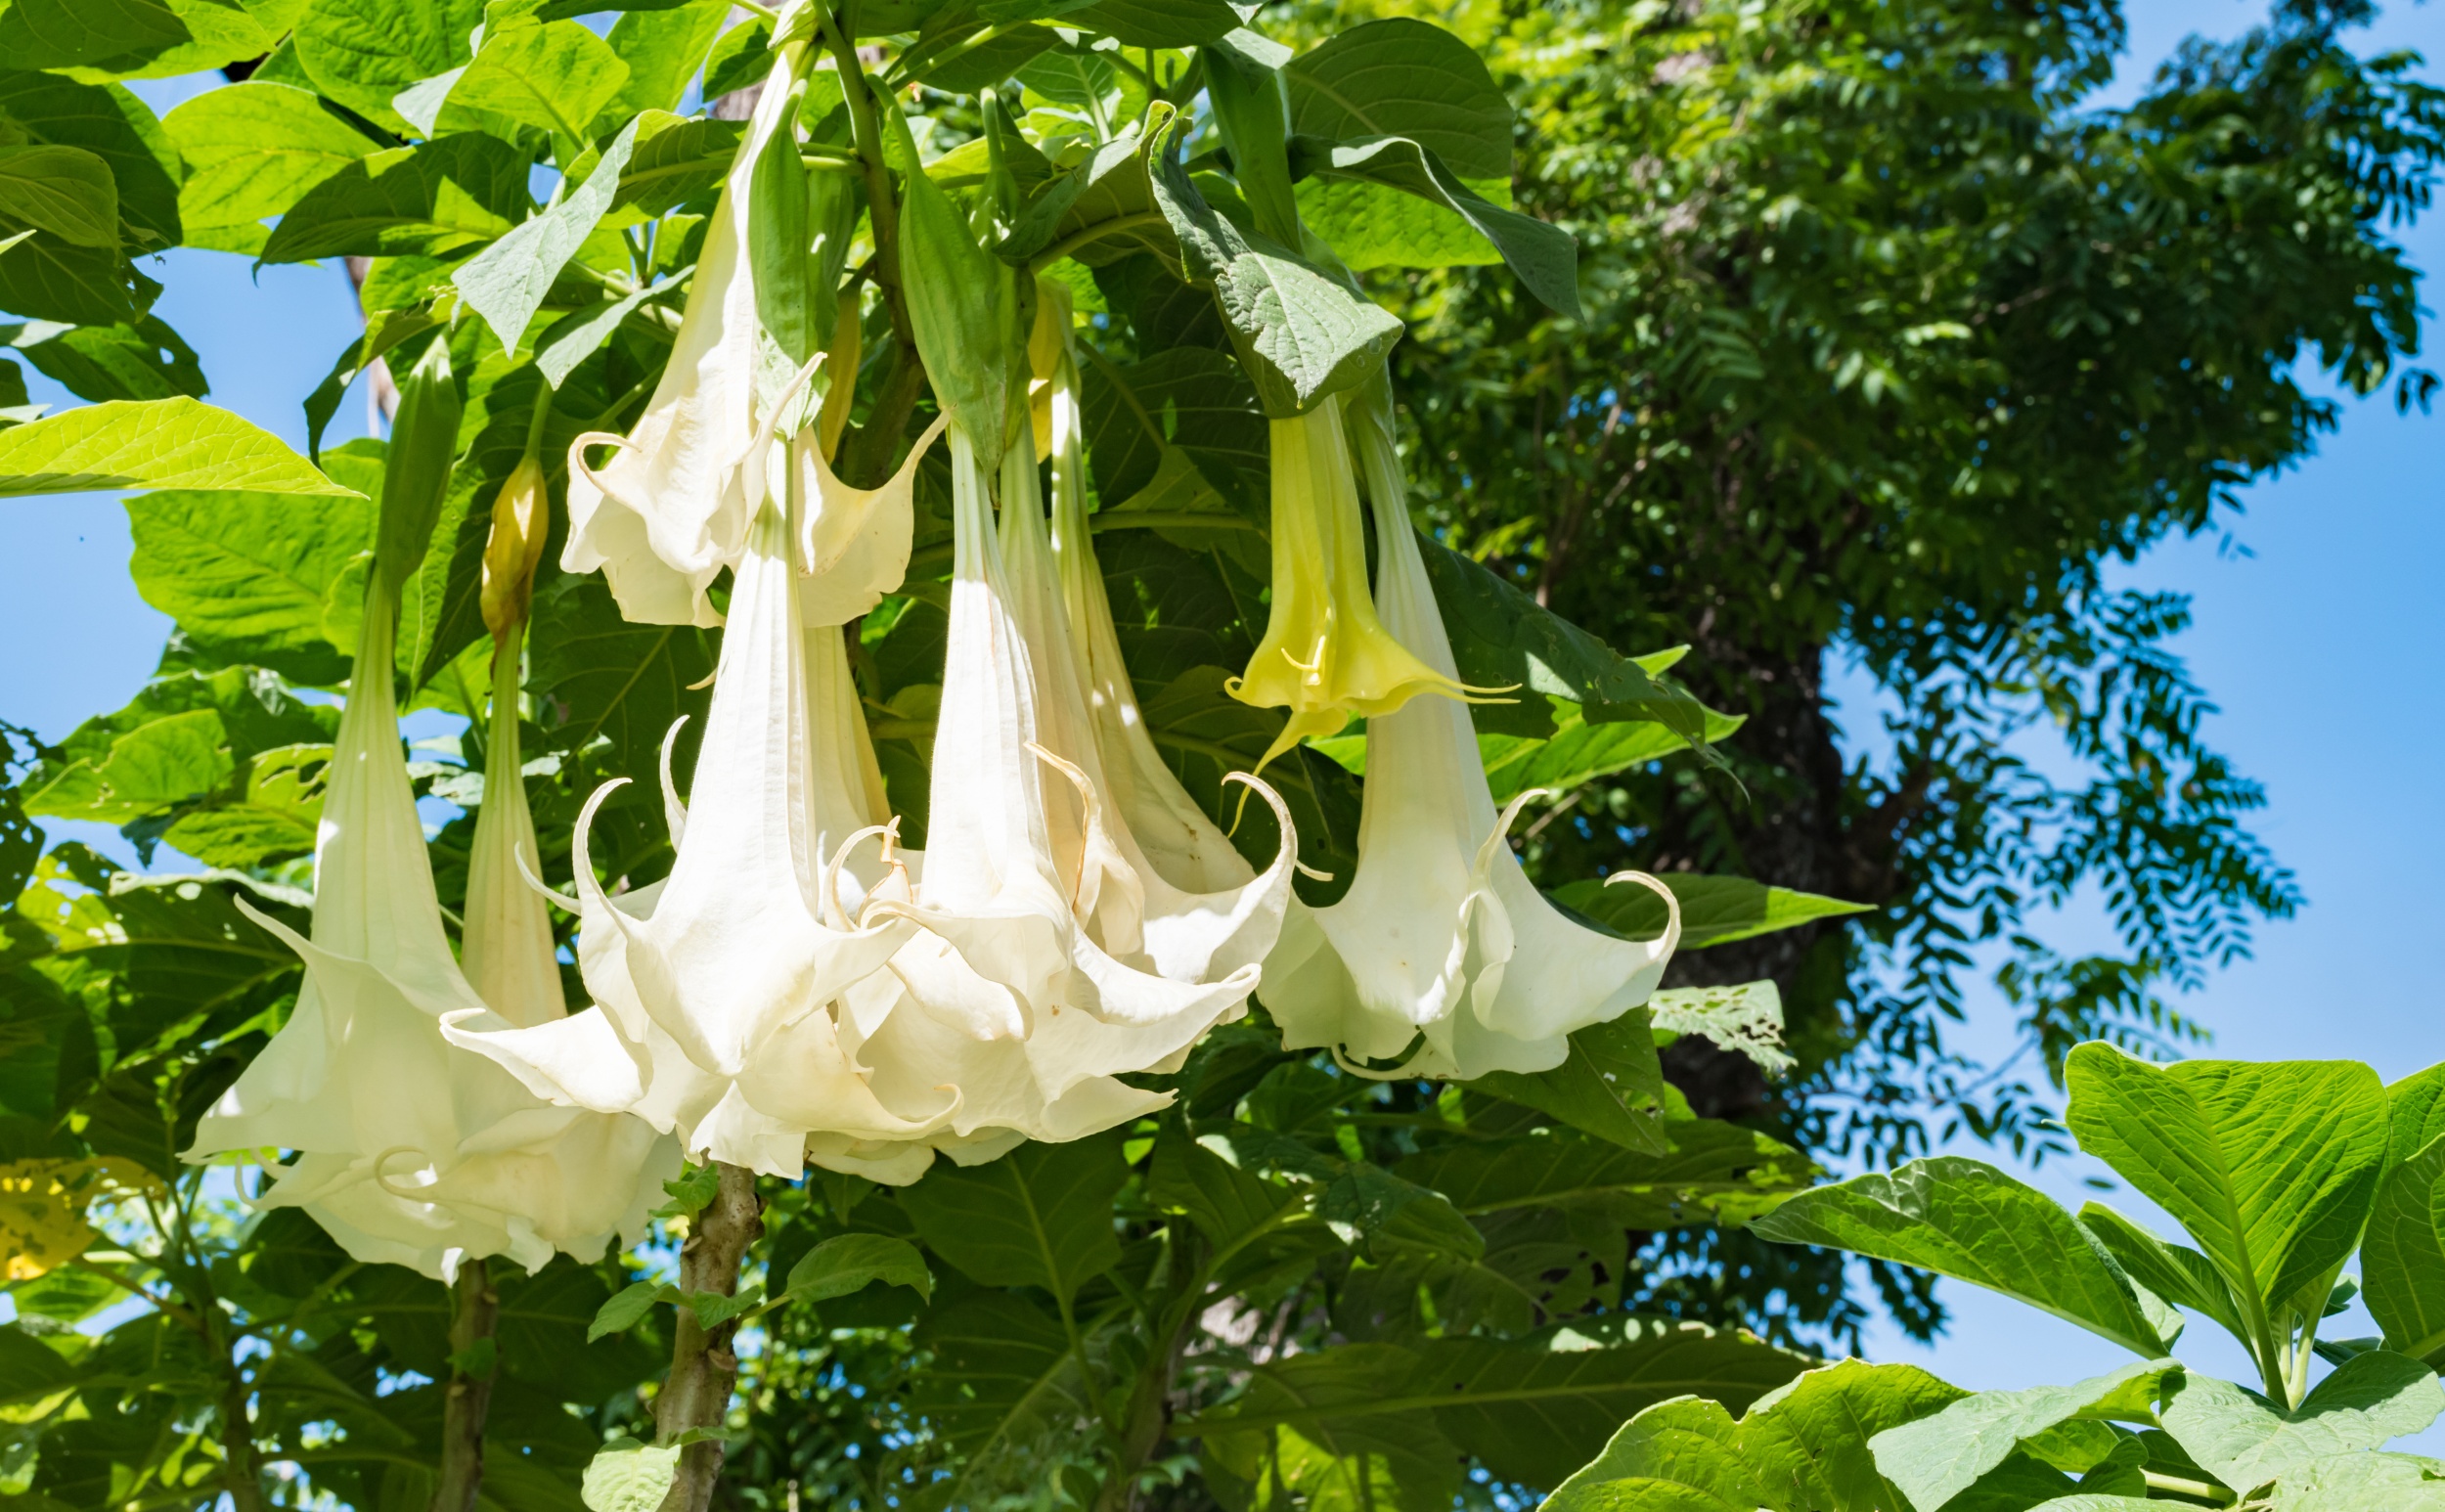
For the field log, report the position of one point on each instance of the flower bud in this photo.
(521, 516)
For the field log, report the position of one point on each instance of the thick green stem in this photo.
(703, 1368)
(1148, 1415)
(474, 1310)
(243, 1473)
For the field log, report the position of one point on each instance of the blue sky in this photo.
(2319, 643)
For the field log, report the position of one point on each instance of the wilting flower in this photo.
(408, 1150)
(663, 516)
(1325, 654)
(1442, 953)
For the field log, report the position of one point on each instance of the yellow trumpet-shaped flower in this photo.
(1325, 655)
(1443, 954)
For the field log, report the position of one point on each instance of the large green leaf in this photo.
(1040, 1215)
(1933, 1459)
(2271, 1168)
(1157, 22)
(2245, 1440)
(1965, 1219)
(1385, 169)
(1314, 1446)
(430, 200)
(115, 34)
(595, 675)
(557, 78)
(1578, 752)
(1801, 1449)
(252, 577)
(161, 443)
(1711, 1170)
(2176, 1272)
(251, 152)
(363, 52)
(1229, 1205)
(506, 283)
(149, 745)
(49, 279)
(1404, 78)
(676, 158)
(65, 192)
(2402, 1258)
(1714, 909)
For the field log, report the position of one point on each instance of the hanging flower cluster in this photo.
(802, 986)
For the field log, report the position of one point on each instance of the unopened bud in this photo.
(520, 518)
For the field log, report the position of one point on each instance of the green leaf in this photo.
(793, 297)
(66, 192)
(1190, 400)
(1745, 1018)
(1803, 1446)
(363, 52)
(49, 279)
(1101, 211)
(65, 33)
(248, 576)
(2272, 1167)
(161, 443)
(628, 1306)
(1714, 909)
(989, 63)
(219, 33)
(252, 151)
(1578, 752)
(147, 360)
(274, 819)
(1229, 1205)
(2415, 1107)
(1611, 1085)
(109, 121)
(2245, 1440)
(1965, 1219)
(2402, 1258)
(630, 1477)
(1542, 255)
(557, 78)
(1403, 77)
(595, 675)
(430, 200)
(2351, 1482)
(1157, 22)
(1932, 1459)
(740, 57)
(1712, 1171)
(580, 333)
(1319, 1441)
(245, 709)
(850, 1263)
(1040, 1215)
(1006, 1394)
(1299, 334)
(2176, 1272)
(663, 48)
(506, 283)
(1373, 226)
(676, 158)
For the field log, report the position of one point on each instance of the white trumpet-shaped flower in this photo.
(717, 990)
(1442, 953)
(1182, 895)
(1009, 993)
(663, 516)
(408, 1150)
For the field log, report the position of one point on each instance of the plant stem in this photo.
(242, 1477)
(475, 1308)
(2183, 1487)
(703, 1369)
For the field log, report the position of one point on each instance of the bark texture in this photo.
(703, 1367)
(474, 1312)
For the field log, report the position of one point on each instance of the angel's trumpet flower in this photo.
(717, 989)
(662, 517)
(408, 1150)
(1006, 992)
(1326, 655)
(1200, 910)
(1442, 953)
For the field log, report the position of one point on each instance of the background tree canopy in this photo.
(1891, 346)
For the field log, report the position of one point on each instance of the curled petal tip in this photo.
(674, 811)
(526, 873)
(1671, 904)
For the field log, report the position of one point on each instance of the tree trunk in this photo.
(475, 1308)
(703, 1369)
